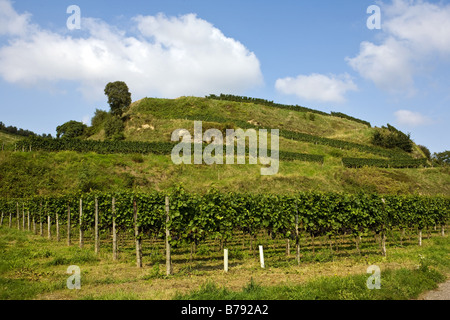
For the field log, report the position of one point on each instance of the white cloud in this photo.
(12, 23)
(387, 65)
(170, 57)
(414, 34)
(410, 118)
(424, 25)
(317, 87)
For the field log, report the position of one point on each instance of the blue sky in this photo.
(319, 54)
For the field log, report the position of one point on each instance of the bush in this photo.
(114, 129)
(99, 118)
(71, 129)
(391, 138)
(426, 151)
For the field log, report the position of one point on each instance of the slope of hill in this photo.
(154, 120)
(8, 139)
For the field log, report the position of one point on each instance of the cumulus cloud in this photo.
(11, 23)
(387, 65)
(413, 33)
(169, 56)
(410, 118)
(317, 87)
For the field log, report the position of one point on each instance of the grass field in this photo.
(34, 267)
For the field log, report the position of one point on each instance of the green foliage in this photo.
(442, 158)
(391, 138)
(384, 163)
(310, 112)
(299, 136)
(230, 97)
(136, 147)
(119, 98)
(114, 128)
(71, 129)
(100, 116)
(343, 115)
(426, 151)
(102, 147)
(195, 217)
(15, 131)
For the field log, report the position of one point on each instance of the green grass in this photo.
(33, 267)
(400, 284)
(433, 264)
(8, 139)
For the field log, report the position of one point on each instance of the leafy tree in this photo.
(71, 129)
(119, 98)
(442, 158)
(391, 138)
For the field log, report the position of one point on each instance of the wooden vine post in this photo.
(18, 217)
(297, 237)
(137, 237)
(81, 224)
(225, 260)
(383, 232)
(169, 269)
(97, 242)
(41, 231)
(297, 240)
(58, 236)
(68, 225)
(114, 231)
(34, 225)
(23, 216)
(49, 231)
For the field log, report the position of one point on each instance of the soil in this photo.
(441, 293)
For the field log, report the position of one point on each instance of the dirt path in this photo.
(441, 293)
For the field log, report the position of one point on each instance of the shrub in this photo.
(114, 129)
(391, 138)
(71, 129)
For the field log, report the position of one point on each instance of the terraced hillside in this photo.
(318, 151)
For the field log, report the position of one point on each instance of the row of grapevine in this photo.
(230, 97)
(102, 147)
(384, 163)
(299, 136)
(305, 137)
(110, 147)
(195, 217)
(345, 116)
(49, 144)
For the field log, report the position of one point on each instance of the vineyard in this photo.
(384, 163)
(183, 218)
(165, 148)
(130, 147)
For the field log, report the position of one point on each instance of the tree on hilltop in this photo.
(119, 97)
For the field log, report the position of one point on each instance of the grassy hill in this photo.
(153, 120)
(8, 139)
